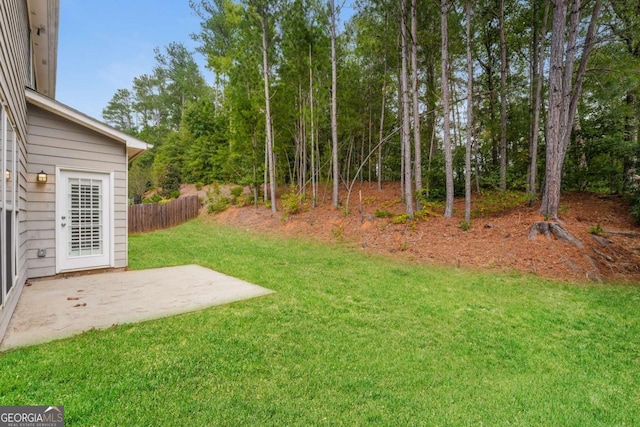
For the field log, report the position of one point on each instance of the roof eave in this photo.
(135, 146)
(44, 17)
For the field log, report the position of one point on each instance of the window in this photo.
(9, 201)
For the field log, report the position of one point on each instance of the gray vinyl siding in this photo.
(22, 206)
(55, 141)
(14, 61)
(14, 71)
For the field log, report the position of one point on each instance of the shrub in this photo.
(199, 186)
(401, 219)
(169, 181)
(430, 209)
(291, 203)
(242, 201)
(216, 201)
(153, 199)
(597, 230)
(236, 191)
(465, 225)
(383, 214)
(388, 204)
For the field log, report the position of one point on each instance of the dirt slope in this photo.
(496, 242)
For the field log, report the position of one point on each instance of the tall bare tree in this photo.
(448, 159)
(467, 158)
(334, 105)
(537, 71)
(564, 92)
(503, 100)
(406, 124)
(267, 106)
(314, 183)
(382, 109)
(417, 145)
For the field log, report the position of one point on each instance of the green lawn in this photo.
(348, 339)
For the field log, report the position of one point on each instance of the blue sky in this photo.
(104, 44)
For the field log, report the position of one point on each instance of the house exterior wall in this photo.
(15, 74)
(14, 61)
(57, 142)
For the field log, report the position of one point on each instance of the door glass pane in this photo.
(85, 218)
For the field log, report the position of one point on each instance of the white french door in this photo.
(83, 220)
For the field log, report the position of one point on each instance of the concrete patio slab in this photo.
(56, 308)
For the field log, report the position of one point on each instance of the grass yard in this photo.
(348, 339)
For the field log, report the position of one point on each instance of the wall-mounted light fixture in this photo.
(42, 177)
(7, 175)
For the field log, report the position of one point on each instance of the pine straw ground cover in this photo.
(348, 339)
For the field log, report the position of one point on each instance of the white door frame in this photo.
(63, 263)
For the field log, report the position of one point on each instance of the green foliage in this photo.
(242, 200)
(492, 203)
(169, 182)
(215, 132)
(430, 209)
(597, 230)
(338, 233)
(120, 112)
(465, 225)
(216, 202)
(291, 203)
(139, 181)
(236, 191)
(368, 201)
(383, 214)
(388, 204)
(401, 219)
(155, 198)
(199, 185)
(238, 198)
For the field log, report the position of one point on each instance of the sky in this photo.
(104, 44)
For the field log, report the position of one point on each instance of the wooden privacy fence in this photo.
(149, 217)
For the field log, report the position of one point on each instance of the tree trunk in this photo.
(334, 106)
(406, 124)
(503, 101)
(467, 162)
(535, 127)
(382, 109)
(416, 102)
(314, 186)
(267, 101)
(448, 160)
(563, 95)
